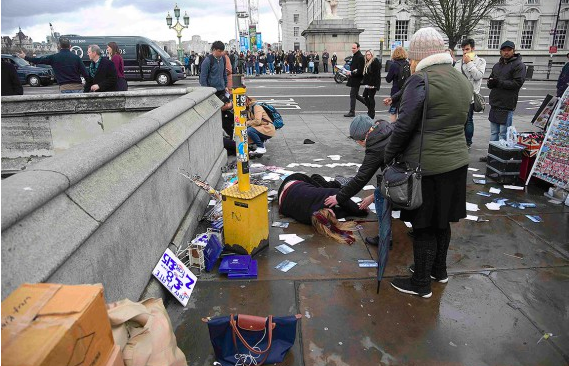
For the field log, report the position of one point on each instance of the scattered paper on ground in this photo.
(285, 249)
(471, 217)
(356, 199)
(367, 263)
(285, 265)
(493, 206)
(369, 188)
(495, 190)
(293, 240)
(408, 224)
(372, 206)
(471, 207)
(284, 225)
(212, 202)
(473, 169)
(517, 188)
(342, 219)
(478, 175)
(396, 214)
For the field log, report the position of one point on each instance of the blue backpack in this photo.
(273, 114)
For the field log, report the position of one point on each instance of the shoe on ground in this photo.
(260, 150)
(372, 240)
(483, 159)
(404, 285)
(350, 114)
(443, 279)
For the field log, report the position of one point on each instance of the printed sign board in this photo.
(175, 276)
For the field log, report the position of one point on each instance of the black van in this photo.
(143, 59)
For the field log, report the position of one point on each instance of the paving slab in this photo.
(541, 294)
(554, 229)
(466, 322)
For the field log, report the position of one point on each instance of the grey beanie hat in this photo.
(426, 42)
(360, 126)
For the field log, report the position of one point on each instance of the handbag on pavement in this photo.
(251, 340)
(400, 182)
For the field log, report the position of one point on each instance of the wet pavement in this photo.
(509, 278)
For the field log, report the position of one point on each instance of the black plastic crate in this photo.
(501, 177)
(505, 153)
(504, 166)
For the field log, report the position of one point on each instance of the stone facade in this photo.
(294, 22)
(397, 20)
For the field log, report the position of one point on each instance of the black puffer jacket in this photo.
(357, 67)
(373, 74)
(373, 160)
(510, 76)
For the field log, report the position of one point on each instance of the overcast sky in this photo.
(211, 19)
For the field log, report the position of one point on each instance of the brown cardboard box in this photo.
(49, 324)
(116, 357)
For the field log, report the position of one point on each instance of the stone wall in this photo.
(104, 210)
(38, 126)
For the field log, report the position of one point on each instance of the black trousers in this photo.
(325, 66)
(369, 97)
(355, 95)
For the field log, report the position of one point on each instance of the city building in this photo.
(528, 23)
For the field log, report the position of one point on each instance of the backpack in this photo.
(273, 114)
(404, 73)
(212, 60)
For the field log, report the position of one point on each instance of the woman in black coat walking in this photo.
(371, 81)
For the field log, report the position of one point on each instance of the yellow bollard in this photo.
(245, 206)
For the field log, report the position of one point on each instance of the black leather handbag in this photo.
(400, 182)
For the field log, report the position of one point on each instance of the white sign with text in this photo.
(175, 276)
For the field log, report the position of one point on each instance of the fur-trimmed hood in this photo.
(436, 59)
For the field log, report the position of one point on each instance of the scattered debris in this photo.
(285, 249)
(285, 265)
(517, 188)
(280, 224)
(535, 218)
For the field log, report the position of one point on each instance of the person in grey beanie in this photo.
(374, 138)
(444, 159)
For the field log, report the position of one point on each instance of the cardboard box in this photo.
(116, 357)
(50, 324)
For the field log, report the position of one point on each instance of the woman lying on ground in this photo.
(302, 198)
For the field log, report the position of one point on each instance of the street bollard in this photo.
(245, 205)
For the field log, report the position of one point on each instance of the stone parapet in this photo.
(105, 209)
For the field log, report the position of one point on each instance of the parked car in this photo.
(28, 74)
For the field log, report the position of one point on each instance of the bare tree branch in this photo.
(456, 18)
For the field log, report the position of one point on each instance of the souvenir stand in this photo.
(552, 160)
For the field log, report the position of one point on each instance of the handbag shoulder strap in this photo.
(424, 116)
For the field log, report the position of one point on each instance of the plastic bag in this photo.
(511, 136)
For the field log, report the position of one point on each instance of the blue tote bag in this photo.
(251, 340)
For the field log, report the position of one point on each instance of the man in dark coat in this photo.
(356, 75)
(505, 82)
(10, 83)
(102, 72)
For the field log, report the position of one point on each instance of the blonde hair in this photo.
(413, 66)
(368, 62)
(399, 53)
(324, 222)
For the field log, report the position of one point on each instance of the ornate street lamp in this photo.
(178, 28)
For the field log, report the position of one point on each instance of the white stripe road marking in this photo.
(347, 96)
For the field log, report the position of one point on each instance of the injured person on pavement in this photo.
(302, 198)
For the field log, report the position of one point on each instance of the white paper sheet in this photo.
(285, 249)
(493, 206)
(517, 188)
(293, 240)
(495, 190)
(478, 175)
(471, 207)
(356, 199)
(396, 214)
(286, 236)
(471, 217)
(342, 219)
(369, 187)
(473, 169)
(408, 224)
(372, 206)
(212, 202)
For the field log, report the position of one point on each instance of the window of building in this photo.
(561, 34)
(495, 34)
(296, 31)
(565, 2)
(527, 34)
(388, 32)
(401, 30)
(295, 17)
(533, 2)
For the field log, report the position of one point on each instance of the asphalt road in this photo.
(297, 95)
